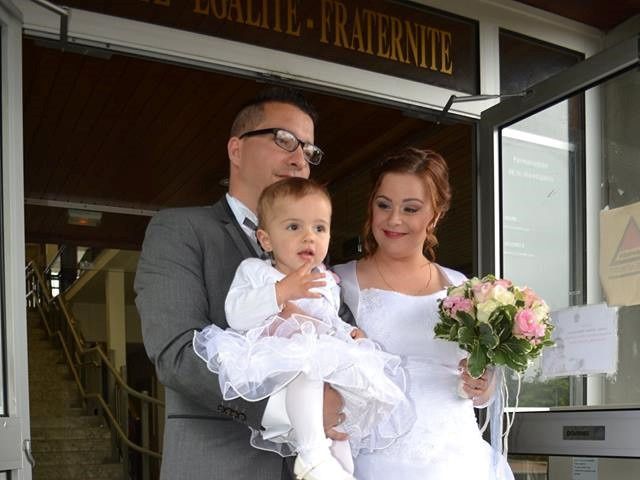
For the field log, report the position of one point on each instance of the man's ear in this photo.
(264, 240)
(233, 150)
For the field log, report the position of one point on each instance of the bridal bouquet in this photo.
(495, 321)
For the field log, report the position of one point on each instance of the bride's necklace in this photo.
(384, 280)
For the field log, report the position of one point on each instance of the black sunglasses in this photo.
(289, 142)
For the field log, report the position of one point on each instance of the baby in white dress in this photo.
(263, 352)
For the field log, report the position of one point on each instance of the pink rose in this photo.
(503, 282)
(527, 325)
(456, 304)
(530, 297)
(482, 292)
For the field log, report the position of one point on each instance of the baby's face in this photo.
(298, 232)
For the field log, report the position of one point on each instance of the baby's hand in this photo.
(298, 285)
(356, 333)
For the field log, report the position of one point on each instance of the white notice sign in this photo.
(586, 342)
(584, 469)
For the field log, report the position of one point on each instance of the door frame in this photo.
(525, 436)
(14, 420)
(575, 79)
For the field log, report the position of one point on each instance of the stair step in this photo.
(71, 458)
(48, 355)
(56, 410)
(93, 472)
(36, 332)
(62, 422)
(70, 433)
(37, 384)
(71, 445)
(67, 443)
(59, 371)
(65, 396)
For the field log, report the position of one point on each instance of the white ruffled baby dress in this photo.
(260, 361)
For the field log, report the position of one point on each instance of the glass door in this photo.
(559, 211)
(14, 398)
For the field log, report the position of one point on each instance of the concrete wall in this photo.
(91, 317)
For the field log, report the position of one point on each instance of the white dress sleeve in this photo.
(252, 296)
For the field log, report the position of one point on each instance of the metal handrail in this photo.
(39, 296)
(53, 260)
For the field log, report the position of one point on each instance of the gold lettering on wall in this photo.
(357, 34)
(446, 64)
(293, 25)
(341, 22)
(277, 25)
(341, 25)
(236, 6)
(383, 23)
(252, 19)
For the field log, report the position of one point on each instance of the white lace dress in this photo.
(445, 443)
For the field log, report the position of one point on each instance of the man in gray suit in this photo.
(188, 261)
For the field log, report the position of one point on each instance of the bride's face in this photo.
(402, 210)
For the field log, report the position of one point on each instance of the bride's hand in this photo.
(480, 390)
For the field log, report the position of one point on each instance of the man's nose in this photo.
(296, 159)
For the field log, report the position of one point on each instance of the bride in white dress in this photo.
(393, 295)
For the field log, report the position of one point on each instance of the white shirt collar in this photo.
(241, 211)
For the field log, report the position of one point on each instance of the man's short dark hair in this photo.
(252, 112)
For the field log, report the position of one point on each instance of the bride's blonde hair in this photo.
(432, 169)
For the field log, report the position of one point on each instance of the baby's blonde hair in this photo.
(292, 187)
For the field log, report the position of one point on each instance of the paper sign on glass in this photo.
(620, 254)
(586, 342)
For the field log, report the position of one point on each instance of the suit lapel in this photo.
(237, 236)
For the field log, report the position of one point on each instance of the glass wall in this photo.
(620, 230)
(543, 223)
(541, 247)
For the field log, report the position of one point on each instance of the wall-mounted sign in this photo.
(391, 37)
(586, 342)
(584, 468)
(620, 254)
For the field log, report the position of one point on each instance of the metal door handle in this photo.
(27, 451)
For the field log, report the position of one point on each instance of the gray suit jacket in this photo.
(188, 261)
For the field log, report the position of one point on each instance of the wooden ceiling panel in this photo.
(121, 131)
(50, 225)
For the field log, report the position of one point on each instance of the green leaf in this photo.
(453, 333)
(487, 337)
(466, 335)
(519, 346)
(442, 330)
(499, 357)
(477, 361)
(467, 319)
(516, 363)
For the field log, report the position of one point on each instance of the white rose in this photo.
(485, 309)
(474, 281)
(503, 296)
(457, 291)
(541, 311)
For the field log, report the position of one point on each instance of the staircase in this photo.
(66, 442)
